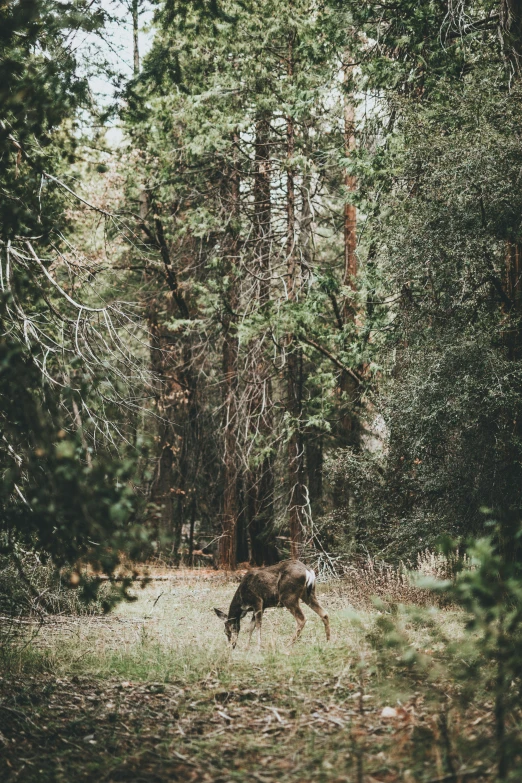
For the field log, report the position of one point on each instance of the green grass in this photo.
(163, 697)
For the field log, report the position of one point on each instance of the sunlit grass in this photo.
(171, 634)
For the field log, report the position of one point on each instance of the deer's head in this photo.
(232, 625)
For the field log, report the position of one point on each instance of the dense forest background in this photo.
(282, 315)
(260, 298)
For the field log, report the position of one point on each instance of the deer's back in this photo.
(275, 584)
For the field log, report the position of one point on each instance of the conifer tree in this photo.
(239, 100)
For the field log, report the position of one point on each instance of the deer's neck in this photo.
(236, 605)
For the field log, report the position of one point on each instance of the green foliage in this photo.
(58, 495)
(40, 89)
(456, 392)
(216, 94)
(438, 179)
(428, 341)
(487, 585)
(53, 496)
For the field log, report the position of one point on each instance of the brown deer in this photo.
(284, 584)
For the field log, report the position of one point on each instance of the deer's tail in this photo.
(310, 581)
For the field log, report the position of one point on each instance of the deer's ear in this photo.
(220, 614)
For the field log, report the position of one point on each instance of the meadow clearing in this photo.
(152, 692)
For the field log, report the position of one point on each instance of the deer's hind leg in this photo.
(316, 607)
(295, 609)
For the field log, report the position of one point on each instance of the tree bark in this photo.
(262, 205)
(347, 387)
(174, 478)
(193, 508)
(227, 542)
(160, 493)
(135, 42)
(259, 480)
(314, 469)
(228, 539)
(350, 212)
(294, 355)
(189, 452)
(511, 22)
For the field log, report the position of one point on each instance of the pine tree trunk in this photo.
(350, 213)
(227, 542)
(174, 478)
(294, 359)
(314, 469)
(160, 492)
(189, 454)
(295, 452)
(193, 510)
(262, 205)
(228, 539)
(135, 25)
(511, 25)
(260, 479)
(347, 386)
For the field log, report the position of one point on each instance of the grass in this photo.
(153, 692)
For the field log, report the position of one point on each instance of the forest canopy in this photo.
(282, 315)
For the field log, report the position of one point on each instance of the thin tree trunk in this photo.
(228, 539)
(193, 508)
(227, 542)
(350, 212)
(295, 452)
(347, 386)
(260, 479)
(294, 359)
(314, 469)
(511, 25)
(135, 25)
(262, 205)
(160, 493)
(173, 478)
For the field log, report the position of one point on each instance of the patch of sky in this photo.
(107, 57)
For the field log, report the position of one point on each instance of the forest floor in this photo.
(152, 692)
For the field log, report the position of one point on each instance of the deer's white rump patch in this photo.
(310, 578)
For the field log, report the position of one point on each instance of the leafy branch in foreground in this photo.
(485, 664)
(71, 355)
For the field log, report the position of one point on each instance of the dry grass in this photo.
(153, 692)
(170, 633)
(372, 579)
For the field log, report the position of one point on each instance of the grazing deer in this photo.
(284, 584)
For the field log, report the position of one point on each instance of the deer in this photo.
(283, 584)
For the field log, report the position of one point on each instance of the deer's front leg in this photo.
(251, 628)
(256, 619)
